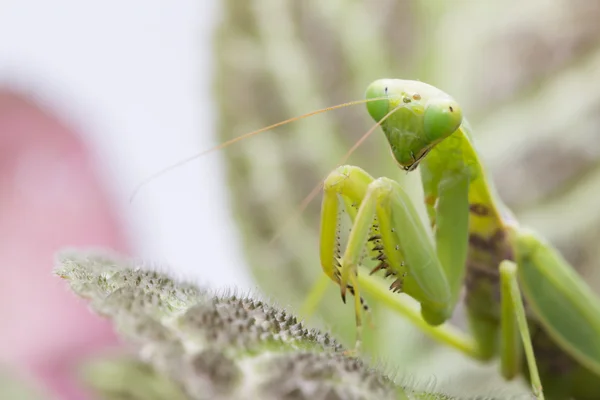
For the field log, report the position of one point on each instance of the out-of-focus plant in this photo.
(16, 387)
(523, 81)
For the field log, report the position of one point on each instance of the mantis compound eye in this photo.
(442, 118)
(379, 108)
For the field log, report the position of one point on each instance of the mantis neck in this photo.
(488, 242)
(488, 213)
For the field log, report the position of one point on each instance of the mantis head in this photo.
(423, 117)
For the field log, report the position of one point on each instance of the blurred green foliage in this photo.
(525, 74)
(14, 386)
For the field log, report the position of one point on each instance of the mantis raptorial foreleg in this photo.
(399, 235)
(387, 221)
(384, 220)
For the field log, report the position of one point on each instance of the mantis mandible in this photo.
(524, 302)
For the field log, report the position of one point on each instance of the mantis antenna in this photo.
(311, 196)
(245, 136)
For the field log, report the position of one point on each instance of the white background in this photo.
(134, 78)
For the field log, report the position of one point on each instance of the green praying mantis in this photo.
(476, 242)
(525, 303)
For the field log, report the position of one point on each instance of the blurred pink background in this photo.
(50, 197)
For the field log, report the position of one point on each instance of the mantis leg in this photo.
(386, 218)
(567, 315)
(353, 183)
(559, 298)
(446, 333)
(513, 324)
(315, 295)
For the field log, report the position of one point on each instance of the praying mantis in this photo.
(518, 288)
(525, 303)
